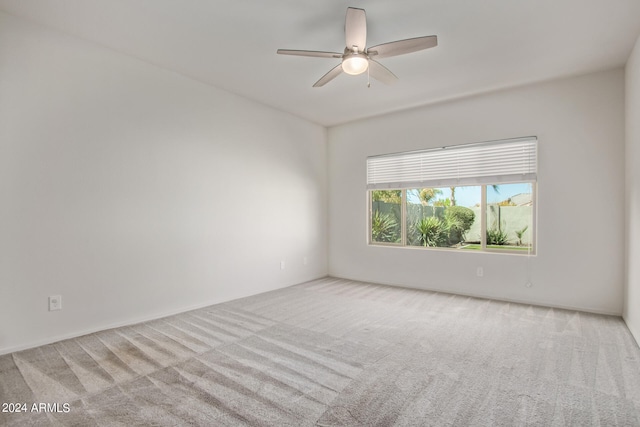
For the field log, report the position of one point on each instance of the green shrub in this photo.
(459, 220)
(497, 236)
(429, 231)
(384, 228)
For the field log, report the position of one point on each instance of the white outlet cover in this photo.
(55, 302)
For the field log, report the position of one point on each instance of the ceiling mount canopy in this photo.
(357, 58)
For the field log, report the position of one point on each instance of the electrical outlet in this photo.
(305, 260)
(528, 284)
(479, 272)
(55, 302)
(281, 265)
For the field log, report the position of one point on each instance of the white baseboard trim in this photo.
(130, 322)
(488, 297)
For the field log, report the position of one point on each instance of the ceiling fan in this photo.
(357, 58)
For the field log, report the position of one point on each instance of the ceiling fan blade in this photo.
(312, 53)
(381, 73)
(355, 29)
(401, 47)
(332, 74)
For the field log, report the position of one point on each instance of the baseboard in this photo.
(487, 297)
(130, 322)
(134, 321)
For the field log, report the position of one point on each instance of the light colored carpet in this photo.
(338, 353)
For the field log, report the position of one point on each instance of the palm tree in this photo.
(428, 194)
(520, 233)
(387, 196)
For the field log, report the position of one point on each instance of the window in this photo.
(386, 219)
(475, 197)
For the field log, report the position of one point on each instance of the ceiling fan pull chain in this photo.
(368, 80)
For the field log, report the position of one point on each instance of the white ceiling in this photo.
(231, 44)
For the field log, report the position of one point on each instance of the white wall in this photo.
(579, 123)
(135, 192)
(632, 155)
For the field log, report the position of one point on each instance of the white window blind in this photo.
(470, 164)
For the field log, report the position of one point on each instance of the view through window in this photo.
(486, 217)
(452, 217)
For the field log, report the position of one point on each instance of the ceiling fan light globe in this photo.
(355, 64)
